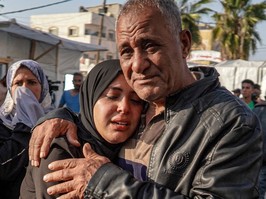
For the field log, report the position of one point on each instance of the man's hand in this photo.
(75, 173)
(43, 135)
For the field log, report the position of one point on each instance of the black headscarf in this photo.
(94, 84)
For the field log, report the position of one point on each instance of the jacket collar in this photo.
(179, 99)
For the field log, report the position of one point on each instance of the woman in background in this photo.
(27, 100)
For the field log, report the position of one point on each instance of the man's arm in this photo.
(230, 172)
(56, 123)
(113, 181)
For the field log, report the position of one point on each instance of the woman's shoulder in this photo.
(62, 143)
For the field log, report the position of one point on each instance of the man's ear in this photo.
(185, 38)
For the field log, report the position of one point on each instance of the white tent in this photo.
(57, 56)
(234, 71)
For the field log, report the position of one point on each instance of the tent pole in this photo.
(48, 51)
(56, 61)
(32, 49)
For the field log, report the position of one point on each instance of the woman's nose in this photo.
(123, 106)
(26, 85)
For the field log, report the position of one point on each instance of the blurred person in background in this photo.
(256, 94)
(247, 91)
(236, 92)
(70, 98)
(3, 90)
(27, 100)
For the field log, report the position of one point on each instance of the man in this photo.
(236, 92)
(247, 91)
(257, 93)
(199, 142)
(70, 98)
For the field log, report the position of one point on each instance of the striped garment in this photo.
(135, 154)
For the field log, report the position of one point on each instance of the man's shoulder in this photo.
(261, 104)
(68, 92)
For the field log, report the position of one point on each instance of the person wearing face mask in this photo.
(27, 100)
(110, 113)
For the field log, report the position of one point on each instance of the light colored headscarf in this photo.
(24, 107)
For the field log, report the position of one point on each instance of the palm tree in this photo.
(191, 14)
(235, 29)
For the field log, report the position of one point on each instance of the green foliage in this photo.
(235, 28)
(191, 14)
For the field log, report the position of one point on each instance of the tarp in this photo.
(233, 72)
(58, 55)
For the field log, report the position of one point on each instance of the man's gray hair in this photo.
(168, 9)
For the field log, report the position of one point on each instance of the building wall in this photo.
(206, 53)
(82, 27)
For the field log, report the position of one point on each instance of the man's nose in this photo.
(140, 62)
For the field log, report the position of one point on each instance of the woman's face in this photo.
(24, 77)
(117, 112)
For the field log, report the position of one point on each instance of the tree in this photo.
(191, 13)
(235, 28)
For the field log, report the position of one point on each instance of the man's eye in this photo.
(125, 52)
(148, 45)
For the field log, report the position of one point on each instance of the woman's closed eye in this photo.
(136, 100)
(112, 97)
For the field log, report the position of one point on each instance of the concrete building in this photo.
(207, 52)
(84, 26)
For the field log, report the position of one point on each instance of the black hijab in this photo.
(94, 84)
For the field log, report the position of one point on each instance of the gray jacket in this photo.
(211, 148)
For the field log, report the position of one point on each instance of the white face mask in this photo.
(22, 93)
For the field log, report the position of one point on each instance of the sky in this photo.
(73, 6)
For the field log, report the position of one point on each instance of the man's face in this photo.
(152, 58)
(77, 81)
(247, 90)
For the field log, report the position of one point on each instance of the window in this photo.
(111, 35)
(73, 31)
(92, 29)
(91, 32)
(53, 30)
